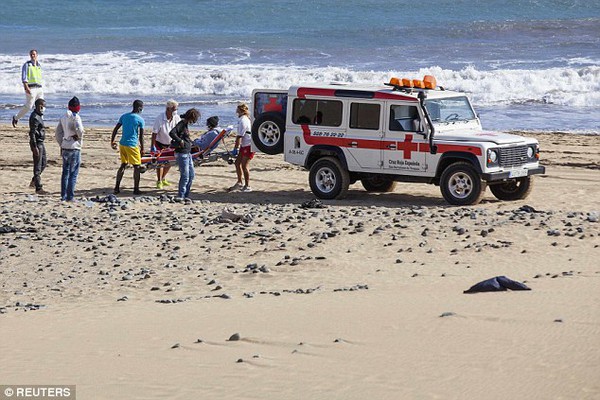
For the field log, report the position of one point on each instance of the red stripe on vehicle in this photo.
(407, 146)
(391, 96)
(302, 92)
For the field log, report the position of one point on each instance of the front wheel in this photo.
(328, 179)
(378, 184)
(461, 185)
(516, 189)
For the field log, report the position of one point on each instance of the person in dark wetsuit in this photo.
(37, 135)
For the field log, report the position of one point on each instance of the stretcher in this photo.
(164, 157)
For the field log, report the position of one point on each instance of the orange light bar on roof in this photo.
(395, 81)
(406, 82)
(429, 82)
(418, 84)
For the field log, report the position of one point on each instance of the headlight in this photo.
(530, 152)
(492, 157)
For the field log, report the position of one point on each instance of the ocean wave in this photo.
(139, 74)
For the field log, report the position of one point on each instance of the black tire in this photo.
(461, 185)
(267, 132)
(328, 179)
(378, 184)
(516, 189)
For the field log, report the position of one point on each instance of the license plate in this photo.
(517, 173)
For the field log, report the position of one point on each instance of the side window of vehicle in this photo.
(405, 118)
(317, 112)
(364, 116)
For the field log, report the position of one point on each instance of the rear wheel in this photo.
(267, 133)
(378, 184)
(328, 179)
(461, 185)
(516, 189)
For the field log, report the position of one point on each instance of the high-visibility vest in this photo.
(34, 74)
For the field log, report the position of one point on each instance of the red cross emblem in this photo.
(408, 146)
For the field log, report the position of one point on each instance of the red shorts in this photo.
(246, 152)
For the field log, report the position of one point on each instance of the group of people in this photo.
(170, 130)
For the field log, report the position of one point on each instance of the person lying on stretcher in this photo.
(207, 138)
(200, 148)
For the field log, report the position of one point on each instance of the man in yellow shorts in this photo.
(131, 145)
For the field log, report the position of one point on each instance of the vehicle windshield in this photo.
(449, 109)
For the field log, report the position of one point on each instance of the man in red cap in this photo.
(69, 135)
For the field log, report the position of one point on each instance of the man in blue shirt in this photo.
(131, 153)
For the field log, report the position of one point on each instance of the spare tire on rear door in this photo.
(267, 132)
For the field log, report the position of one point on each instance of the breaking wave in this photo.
(131, 73)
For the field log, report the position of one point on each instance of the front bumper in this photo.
(499, 176)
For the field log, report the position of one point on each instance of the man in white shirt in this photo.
(161, 139)
(69, 135)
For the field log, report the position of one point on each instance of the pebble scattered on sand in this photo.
(233, 338)
(202, 249)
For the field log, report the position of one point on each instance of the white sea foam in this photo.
(118, 73)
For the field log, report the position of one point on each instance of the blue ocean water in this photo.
(531, 65)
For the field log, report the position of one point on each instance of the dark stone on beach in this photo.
(459, 230)
(234, 338)
(447, 314)
(558, 320)
(199, 341)
(239, 360)
(175, 346)
(528, 209)
(264, 269)
(7, 229)
(124, 298)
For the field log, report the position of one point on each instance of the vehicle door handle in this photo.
(353, 144)
(392, 146)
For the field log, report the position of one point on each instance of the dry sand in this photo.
(136, 300)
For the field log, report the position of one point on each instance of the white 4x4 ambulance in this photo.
(403, 131)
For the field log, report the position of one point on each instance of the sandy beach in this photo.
(137, 299)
